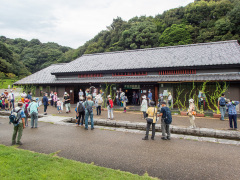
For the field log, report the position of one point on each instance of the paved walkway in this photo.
(181, 121)
(175, 159)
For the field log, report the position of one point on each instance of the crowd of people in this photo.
(29, 107)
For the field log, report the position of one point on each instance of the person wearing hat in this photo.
(192, 113)
(33, 110)
(18, 128)
(151, 120)
(110, 107)
(144, 106)
(66, 98)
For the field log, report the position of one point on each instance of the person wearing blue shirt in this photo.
(232, 114)
(18, 128)
(149, 96)
(29, 96)
(45, 103)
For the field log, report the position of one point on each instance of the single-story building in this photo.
(158, 69)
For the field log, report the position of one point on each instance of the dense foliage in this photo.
(198, 22)
(21, 57)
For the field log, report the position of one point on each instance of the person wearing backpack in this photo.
(151, 120)
(80, 111)
(89, 104)
(110, 107)
(222, 106)
(232, 114)
(99, 102)
(19, 124)
(165, 121)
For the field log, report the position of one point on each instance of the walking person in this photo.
(11, 99)
(222, 106)
(80, 111)
(66, 98)
(166, 120)
(18, 128)
(232, 114)
(45, 103)
(110, 107)
(144, 106)
(151, 120)
(33, 110)
(192, 113)
(99, 102)
(89, 104)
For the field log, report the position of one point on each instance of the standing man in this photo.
(118, 98)
(99, 102)
(18, 128)
(33, 109)
(149, 96)
(165, 121)
(45, 103)
(51, 96)
(66, 98)
(222, 106)
(232, 114)
(11, 99)
(89, 104)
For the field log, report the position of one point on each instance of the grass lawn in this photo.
(22, 164)
(5, 82)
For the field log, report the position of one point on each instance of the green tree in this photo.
(176, 35)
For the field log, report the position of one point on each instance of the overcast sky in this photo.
(72, 22)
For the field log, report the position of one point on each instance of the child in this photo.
(6, 104)
(59, 105)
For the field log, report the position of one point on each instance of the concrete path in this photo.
(175, 159)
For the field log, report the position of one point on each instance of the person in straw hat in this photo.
(110, 107)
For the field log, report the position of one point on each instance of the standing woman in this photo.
(192, 113)
(55, 99)
(151, 120)
(144, 106)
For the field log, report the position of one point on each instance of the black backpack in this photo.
(168, 117)
(15, 118)
(80, 107)
(89, 108)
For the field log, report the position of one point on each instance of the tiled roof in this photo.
(126, 79)
(43, 76)
(205, 54)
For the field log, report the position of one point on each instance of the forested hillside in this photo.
(198, 22)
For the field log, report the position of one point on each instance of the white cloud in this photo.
(72, 23)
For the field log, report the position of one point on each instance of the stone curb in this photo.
(204, 132)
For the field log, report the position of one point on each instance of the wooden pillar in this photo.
(156, 94)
